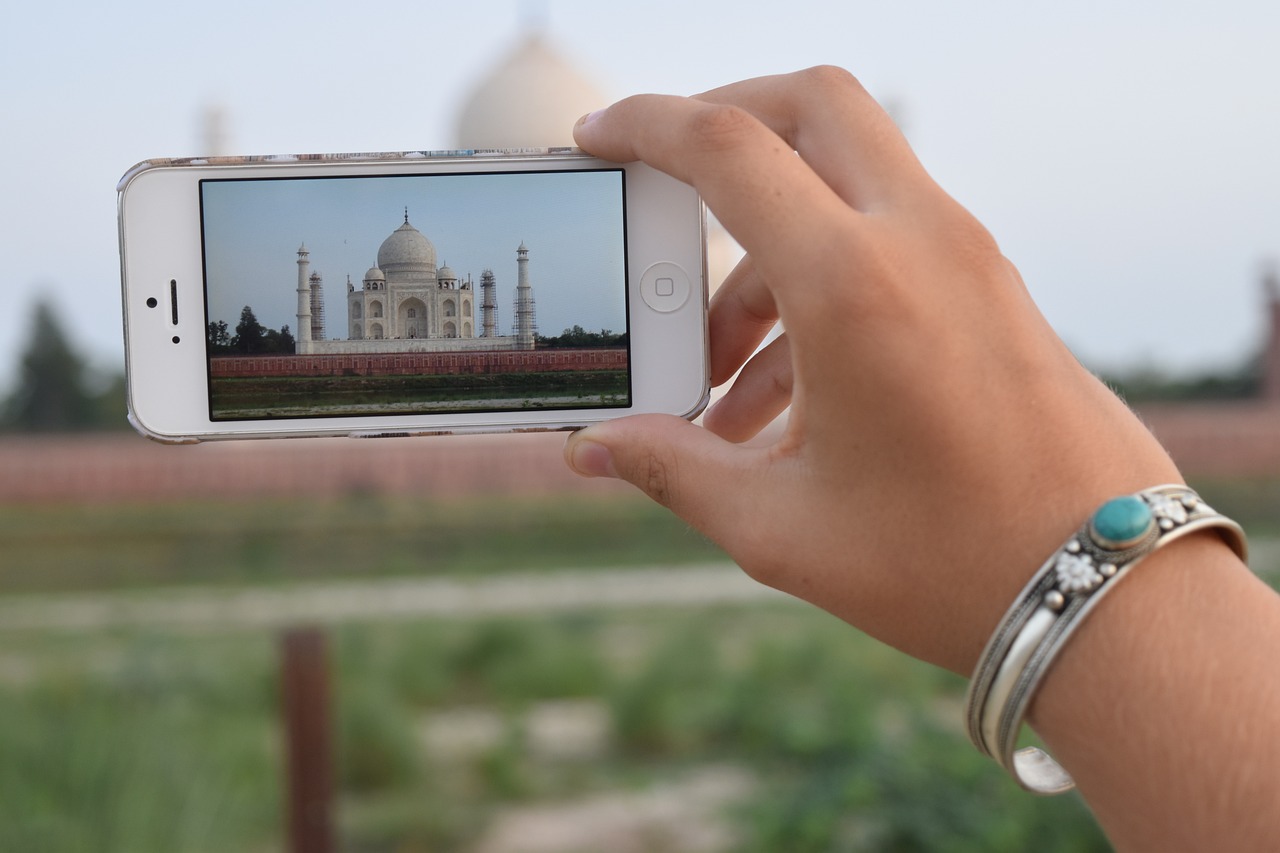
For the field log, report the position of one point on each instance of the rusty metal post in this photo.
(308, 740)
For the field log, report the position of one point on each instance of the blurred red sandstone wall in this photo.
(126, 467)
(1221, 440)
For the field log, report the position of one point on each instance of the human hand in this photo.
(941, 440)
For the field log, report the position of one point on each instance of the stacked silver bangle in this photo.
(1116, 538)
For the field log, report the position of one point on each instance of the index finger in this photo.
(760, 190)
(826, 115)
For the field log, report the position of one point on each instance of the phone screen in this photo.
(415, 294)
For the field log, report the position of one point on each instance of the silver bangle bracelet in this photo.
(1052, 605)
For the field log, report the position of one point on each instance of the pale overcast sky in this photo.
(1126, 155)
(571, 225)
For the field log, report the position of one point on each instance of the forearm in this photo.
(1165, 706)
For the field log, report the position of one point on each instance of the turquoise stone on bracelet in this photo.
(1121, 523)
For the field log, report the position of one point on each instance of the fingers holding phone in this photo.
(930, 401)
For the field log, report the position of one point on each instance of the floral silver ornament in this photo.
(1076, 573)
(1168, 508)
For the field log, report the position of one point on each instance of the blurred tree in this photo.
(51, 395)
(1150, 385)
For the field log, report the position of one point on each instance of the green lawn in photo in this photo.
(316, 396)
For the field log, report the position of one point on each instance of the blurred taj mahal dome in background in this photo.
(531, 98)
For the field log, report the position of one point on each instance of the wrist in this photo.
(1090, 447)
(1118, 537)
(1167, 693)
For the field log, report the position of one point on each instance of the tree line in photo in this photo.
(580, 338)
(250, 337)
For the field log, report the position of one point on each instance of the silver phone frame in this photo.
(151, 378)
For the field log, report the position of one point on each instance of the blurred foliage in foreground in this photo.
(168, 742)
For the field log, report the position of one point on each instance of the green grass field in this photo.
(163, 742)
(134, 741)
(66, 548)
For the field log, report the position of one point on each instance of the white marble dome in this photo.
(531, 99)
(406, 250)
(374, 274)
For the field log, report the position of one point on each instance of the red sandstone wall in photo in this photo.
(425, 363)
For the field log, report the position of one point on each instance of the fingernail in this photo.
(589, 117)
(592, 460)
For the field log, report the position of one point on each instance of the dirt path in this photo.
(219, 609)
(236, 608)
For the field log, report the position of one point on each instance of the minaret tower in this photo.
(526, 325)
(317, 307)
(488, 305)
(303, 339)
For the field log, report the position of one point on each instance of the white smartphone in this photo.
(408, 293)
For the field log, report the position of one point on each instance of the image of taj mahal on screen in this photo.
(511, 296)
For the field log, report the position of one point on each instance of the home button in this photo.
(665, 287)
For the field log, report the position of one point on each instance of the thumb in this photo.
(693, 472)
